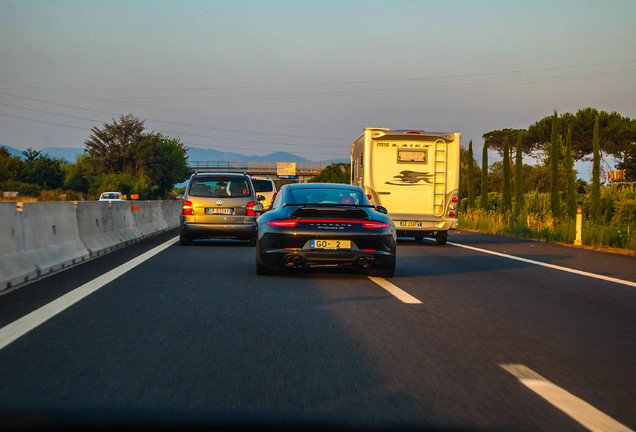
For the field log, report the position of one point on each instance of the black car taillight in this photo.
(284, 223)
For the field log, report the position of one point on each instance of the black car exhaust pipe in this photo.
(366, 262)
(294, 260)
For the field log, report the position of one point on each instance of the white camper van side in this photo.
(413, 174)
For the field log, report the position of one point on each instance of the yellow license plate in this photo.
(331, 244)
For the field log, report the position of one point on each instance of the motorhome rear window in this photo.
(412, 156)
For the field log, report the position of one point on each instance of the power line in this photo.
(196, 145)
(346, 93)
(359, 82)
(170, 132)
(172, 122)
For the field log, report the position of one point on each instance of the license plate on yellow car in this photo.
(331, 244)
(223, 211)
(408, 224)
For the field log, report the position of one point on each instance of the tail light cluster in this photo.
(186, 208)
(250, 208)
(291, 223)
(452, 207)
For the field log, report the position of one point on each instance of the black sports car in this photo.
(325, 224)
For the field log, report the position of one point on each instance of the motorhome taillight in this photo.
(451, 214)
(454, 199)
(413, 133)
(369, 196)
(186, 208)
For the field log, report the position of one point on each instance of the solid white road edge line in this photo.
(20, 327)
(552, 266)
(403, 296)
(578, 409)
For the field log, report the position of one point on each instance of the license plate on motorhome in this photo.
(331, 244)
(224, 211)
(409, 224)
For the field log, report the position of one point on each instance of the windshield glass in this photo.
(263, 185)
(218, 187)
(327, 196)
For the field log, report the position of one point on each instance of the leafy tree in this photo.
(617, 133)
(333, 173)
(464, 156)
(555, 199)
(495, 178)
(495, 139)
(11, 167)
(124, 183)
(78, 176)
(111, 147)
(630, 168)
(595, 207)
(471, 176)
(623, 133)
(46, 172)
(175, 168)
(506, 198)
(570, 176)
(30, 155)
(484, 178)
(519, 199)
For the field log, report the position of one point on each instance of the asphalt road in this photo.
(192, 334)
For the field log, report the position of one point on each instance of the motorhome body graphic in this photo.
(411, 178)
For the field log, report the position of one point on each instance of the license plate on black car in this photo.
(331, 244)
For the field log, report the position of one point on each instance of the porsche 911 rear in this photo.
(327, 236)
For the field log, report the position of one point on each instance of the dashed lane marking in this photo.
(578, 409)
(22, 326)
(401, 295)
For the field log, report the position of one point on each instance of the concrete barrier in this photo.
(16, 266)
(96, 227)
(51, 235)
(148, 217)
(171, 213)
(39, 238)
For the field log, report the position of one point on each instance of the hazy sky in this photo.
(305, 76)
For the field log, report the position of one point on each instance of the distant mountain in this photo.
(13, 151)
(199, 154)
(66, 153)
(194, 154)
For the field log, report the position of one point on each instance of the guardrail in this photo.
(303, 169)
(40, 238)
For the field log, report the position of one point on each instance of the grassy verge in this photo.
(621, 238)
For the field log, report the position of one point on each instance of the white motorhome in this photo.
(413, 174)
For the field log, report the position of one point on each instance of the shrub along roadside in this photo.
(617, 228)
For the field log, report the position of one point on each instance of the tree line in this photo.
(557, 141)
(119, 156)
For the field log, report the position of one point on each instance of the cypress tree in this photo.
(484, 178)
(555, 200)
(595, 210)
(519, 199)
(569, 170)
(506, 196)
(471, 176)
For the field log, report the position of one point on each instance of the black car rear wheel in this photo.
(384, 271)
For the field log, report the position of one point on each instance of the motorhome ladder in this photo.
(439, 178)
